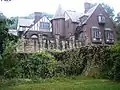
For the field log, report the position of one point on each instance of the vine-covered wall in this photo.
(95, 61)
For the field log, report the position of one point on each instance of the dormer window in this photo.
(109, 36)
(101, 19)
(96, 35)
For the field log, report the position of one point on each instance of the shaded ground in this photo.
(69, 83)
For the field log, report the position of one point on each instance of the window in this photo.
(109, 37)
(41, 25)
(96, 34)
(47, 25)
(101, 19)
(44, 25)
(34, 36)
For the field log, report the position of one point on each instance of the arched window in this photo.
(34, 36)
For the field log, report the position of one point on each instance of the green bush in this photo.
(116, 61)
(80, 61)
(23, 65)
(111, 67)
(95, 61)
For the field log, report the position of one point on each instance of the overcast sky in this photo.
(25, 7)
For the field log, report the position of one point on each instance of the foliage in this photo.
(14, 25)
(111, 68)
(80, 61)
(109, 10)
(7, 60)
(4, 35)
(95, 61)
(23, 65)
(48, 64)
(116, 61)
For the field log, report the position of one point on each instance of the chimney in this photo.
(37, 16)
(87, 6)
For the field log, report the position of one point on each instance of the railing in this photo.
(36, 45)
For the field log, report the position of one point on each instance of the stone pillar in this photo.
(44, 44)
(70, 42)
(57, 38)
(73, 41)
(37, 46)
(25, 44)
(21, 45)
(40, 41)
(66, 43)
(77, 44)
(48, 44)
(52, 44)
(63, 45)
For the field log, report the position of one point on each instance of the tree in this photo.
(14, 25)
(4, 35)
(109, 10)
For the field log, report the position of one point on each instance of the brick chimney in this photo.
(37, 16)
(87, 6)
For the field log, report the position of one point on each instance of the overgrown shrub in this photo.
(26, 65)
(95, 61)
(116, 61)
(111, 67)
(29, 65)
(81, 61)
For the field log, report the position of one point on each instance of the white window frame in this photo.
(101, 18)
(96, 34)
(110, 36)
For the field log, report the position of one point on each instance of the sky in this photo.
(26, 7)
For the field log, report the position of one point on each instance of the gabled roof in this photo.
(59, 13)
(90, 12)
(35, 23)
(74, 16)
(25, 22)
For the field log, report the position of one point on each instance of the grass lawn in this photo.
(60, 83)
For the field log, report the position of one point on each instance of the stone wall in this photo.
(41, 43)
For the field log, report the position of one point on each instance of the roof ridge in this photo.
(90, 12)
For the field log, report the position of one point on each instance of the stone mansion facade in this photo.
(70, 28)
